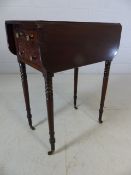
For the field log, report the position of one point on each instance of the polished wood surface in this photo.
(54, 46)
(26, 92)
(104, 88)
(75, 85)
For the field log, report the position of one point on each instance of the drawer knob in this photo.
(21, 34)
(29, 37)
(17, 35)
(32, 58)
(21, 52)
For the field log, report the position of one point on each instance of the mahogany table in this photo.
(54, 46)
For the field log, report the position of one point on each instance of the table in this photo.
(54, 46)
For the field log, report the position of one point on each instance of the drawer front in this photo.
(27, 46)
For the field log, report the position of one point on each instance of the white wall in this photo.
(73, 10)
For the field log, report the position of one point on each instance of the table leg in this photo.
(75, 86)
(49, 101)
(26, 92)
(104, 88)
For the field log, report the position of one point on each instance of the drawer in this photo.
(27, 46)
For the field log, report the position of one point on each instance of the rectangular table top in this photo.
(62, 45)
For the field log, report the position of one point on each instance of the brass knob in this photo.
(17, 35)
(21, 33)
(32, 58)
(29, 37)
(21, 52)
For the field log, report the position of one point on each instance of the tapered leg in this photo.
(75, 86)
(104, 88)
(26, 92)
(49, 101)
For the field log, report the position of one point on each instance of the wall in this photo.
(73, 10)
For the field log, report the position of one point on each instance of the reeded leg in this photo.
(26, 92)
(75, 86)
(49, 100)
(104, 88)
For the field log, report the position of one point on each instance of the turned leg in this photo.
(26, 92)
(104, 88)
(75, 86)
(49, 101)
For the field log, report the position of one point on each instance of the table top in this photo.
(62, 45)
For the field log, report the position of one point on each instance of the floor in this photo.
(83, 146)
